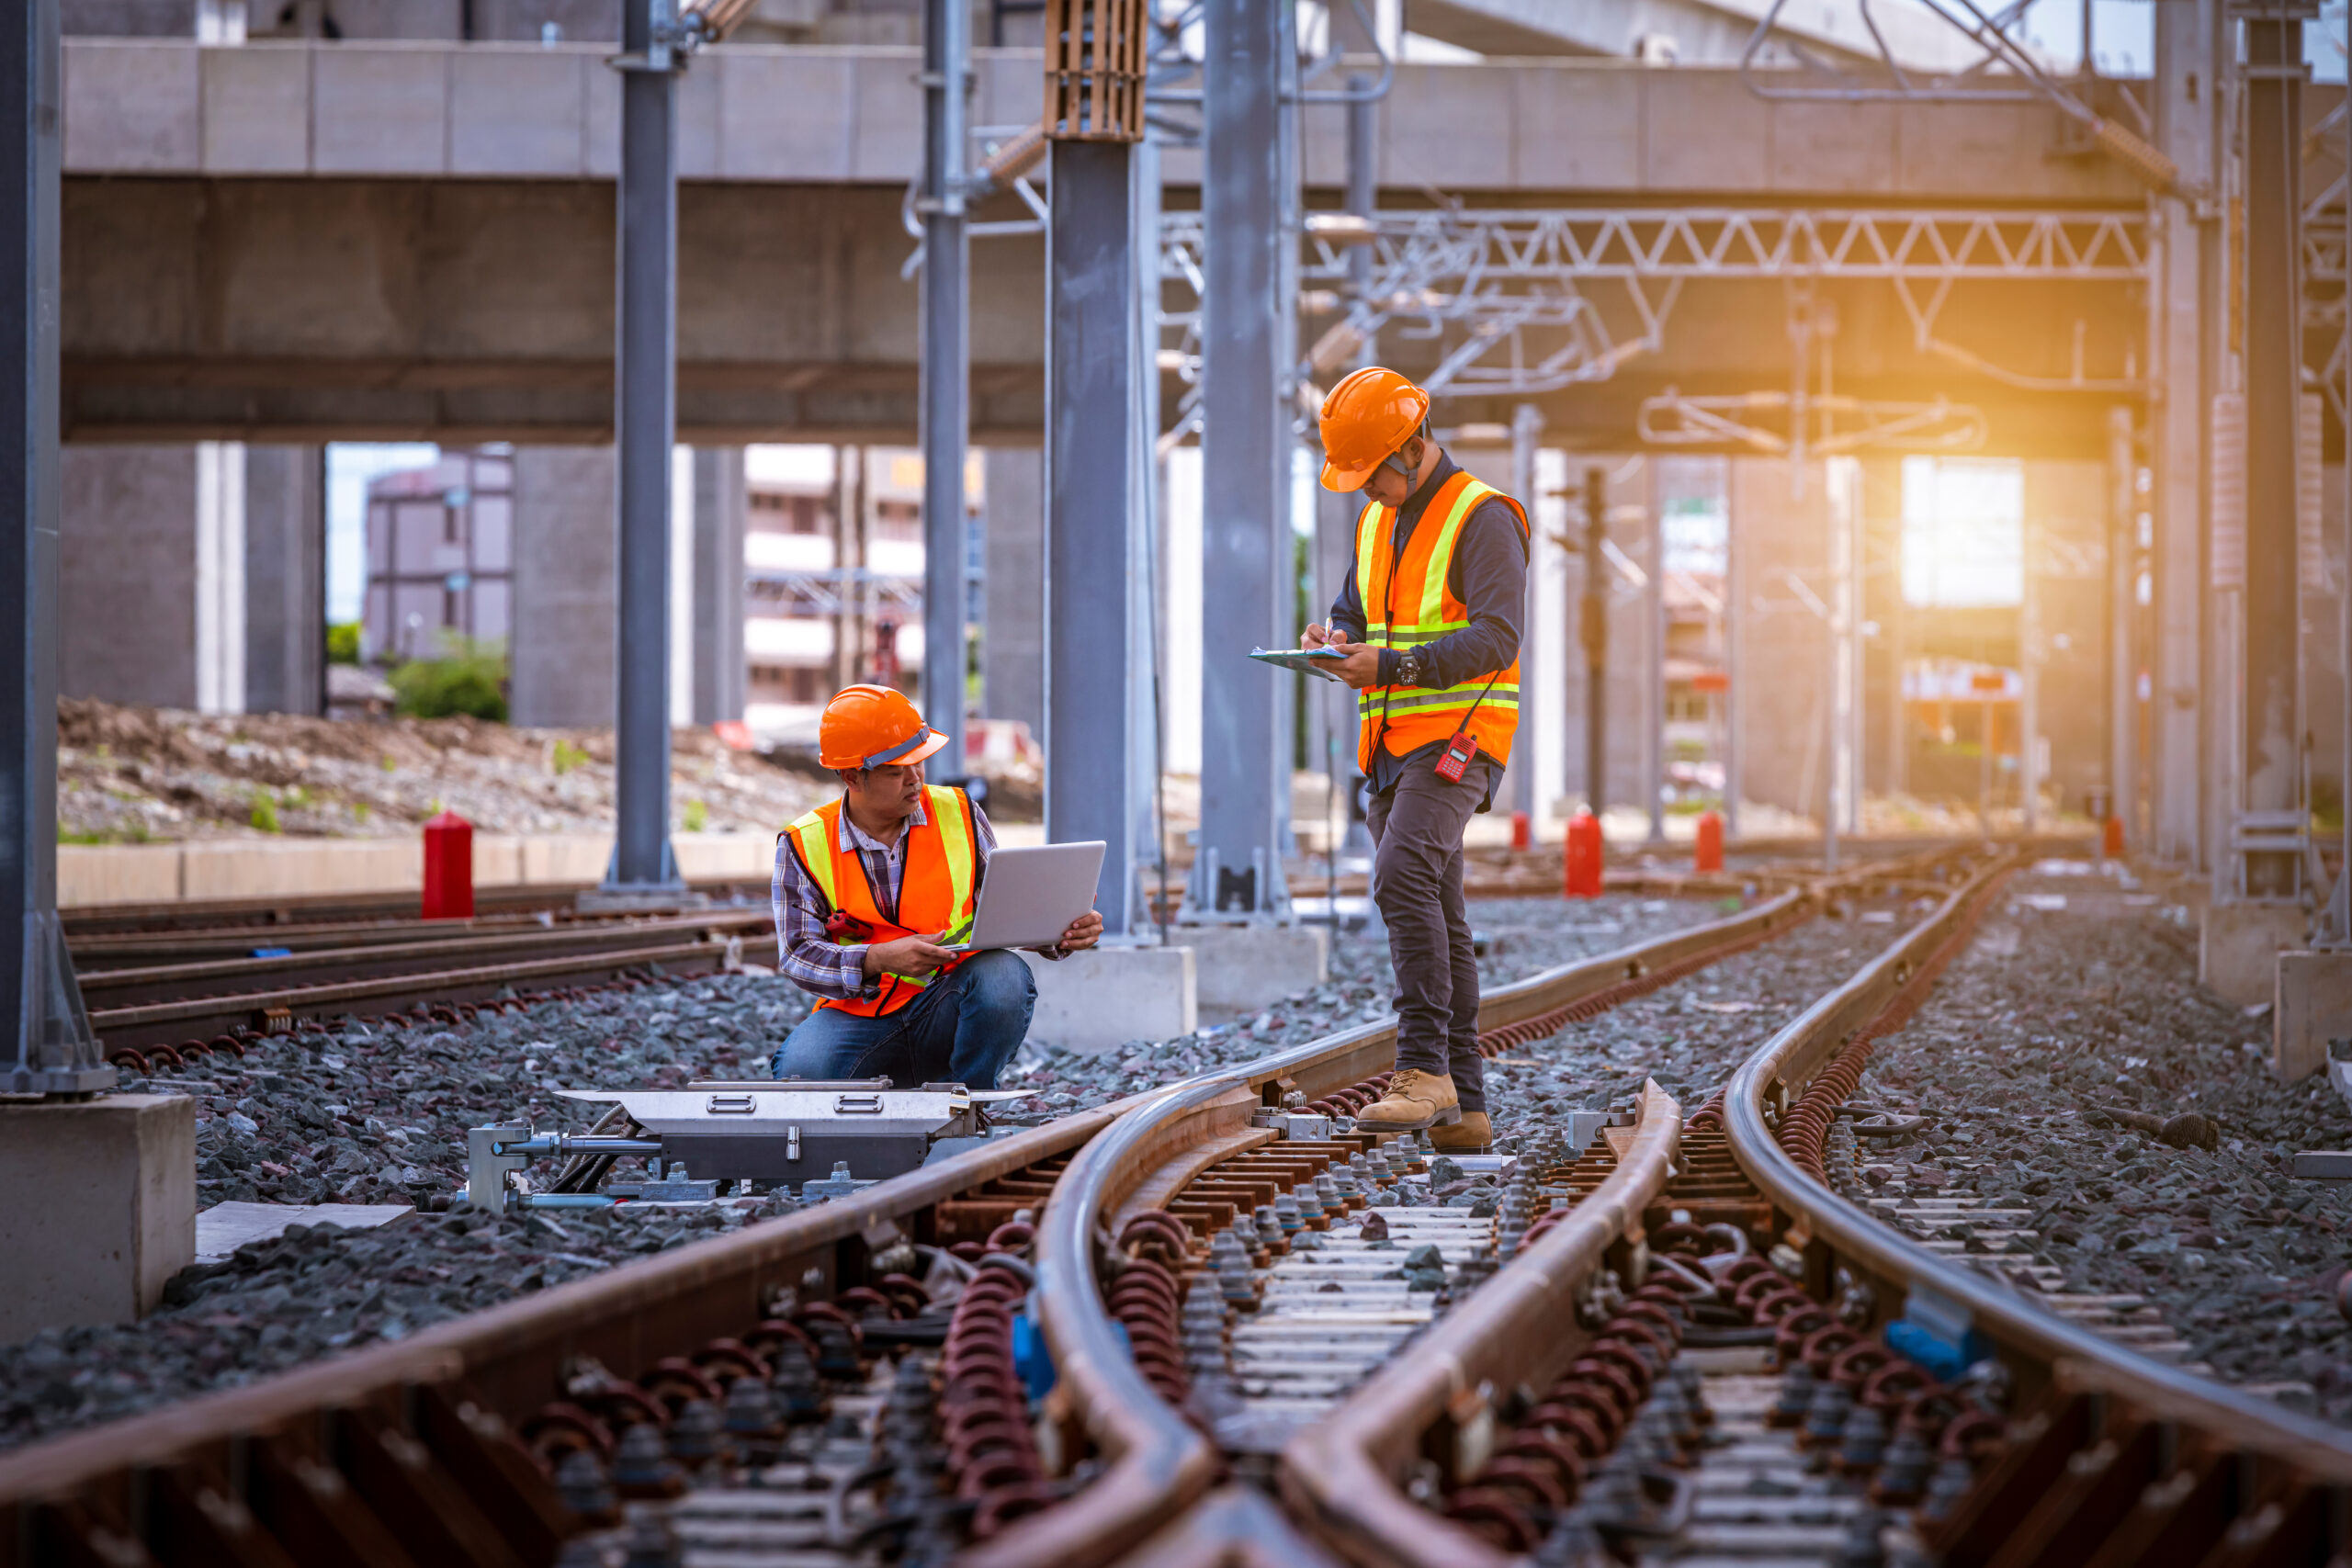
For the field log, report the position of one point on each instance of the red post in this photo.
(2112, 837)
(448, 868)
(1583, 856)
(1710, 854)
(1523, 831)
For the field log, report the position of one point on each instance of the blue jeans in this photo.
(959, 1028)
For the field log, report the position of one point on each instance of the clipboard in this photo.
(1309, 660)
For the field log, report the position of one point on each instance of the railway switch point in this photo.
(115, 1217)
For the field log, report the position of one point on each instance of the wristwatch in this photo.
(1409, 669)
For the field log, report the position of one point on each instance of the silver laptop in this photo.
(1030, 895)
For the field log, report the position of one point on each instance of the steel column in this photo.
(2273, 777)
(1097, 731)
(1526, 430)
(946, 367)
(1246, 476)
(1653, 729)
(1592, 629)
(645, 418)
(55, 1053)
(2122, 667)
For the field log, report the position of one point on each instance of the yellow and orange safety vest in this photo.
(935, 890)
(1408, 604)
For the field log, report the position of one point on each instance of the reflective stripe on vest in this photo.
(1406, 604)
(936, 886)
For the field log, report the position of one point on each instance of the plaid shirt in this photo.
(813, 961)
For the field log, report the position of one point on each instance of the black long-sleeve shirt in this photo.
(1487, 576)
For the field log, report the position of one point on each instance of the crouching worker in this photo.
(867, 887)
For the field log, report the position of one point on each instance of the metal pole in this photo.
(1654, 656)
(2122, 669)
(1832, 685)
(2029, 687)
(1593, 626)
(2273, 788)
(1526, 427)
(946, 367)
(1734, 624)
(55, 1053)
(1245, 447)
(645, 417)
(1095, 609)
(1363, 151)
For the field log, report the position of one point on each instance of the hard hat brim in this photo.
(932, 740)
(1345, 478)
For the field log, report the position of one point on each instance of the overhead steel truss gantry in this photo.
(1516, 298)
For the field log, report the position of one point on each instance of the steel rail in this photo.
(507, 1361)
(167, 982)
(126, 948)
(1342, 1473)
(1159, 1462)
(2038, 1345)
(272, 1009)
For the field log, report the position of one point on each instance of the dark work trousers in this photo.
(1417, 882)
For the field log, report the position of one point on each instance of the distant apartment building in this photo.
(833, 577)
(440, 556)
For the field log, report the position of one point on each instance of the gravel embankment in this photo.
(376, 1114)
(2059, 1013)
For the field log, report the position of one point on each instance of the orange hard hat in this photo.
(865, 727)
(1367, 417)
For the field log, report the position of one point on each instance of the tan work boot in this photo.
(1472, 1135)
(1415, 1099)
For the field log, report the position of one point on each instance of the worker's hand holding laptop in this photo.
(1040, 897)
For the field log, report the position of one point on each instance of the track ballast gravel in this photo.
(2078, 997)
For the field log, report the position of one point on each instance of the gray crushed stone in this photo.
(2057, 1014)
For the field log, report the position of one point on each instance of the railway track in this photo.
(1604, 1334)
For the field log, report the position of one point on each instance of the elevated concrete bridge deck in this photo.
(305, 241)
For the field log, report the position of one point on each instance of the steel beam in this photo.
(1098, 739)
(54, 1054)
(947, 367)
(1246, 460)
(645, 418)
(2273, 773)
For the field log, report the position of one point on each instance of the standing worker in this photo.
(866, 889)
(1442, 559)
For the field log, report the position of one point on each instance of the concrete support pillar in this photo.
(220, 655)
(562, 670)
(286, 611)
(1650, 702)
(719, 501)
(1013, 639)
(1780, 641)
(127, 637)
